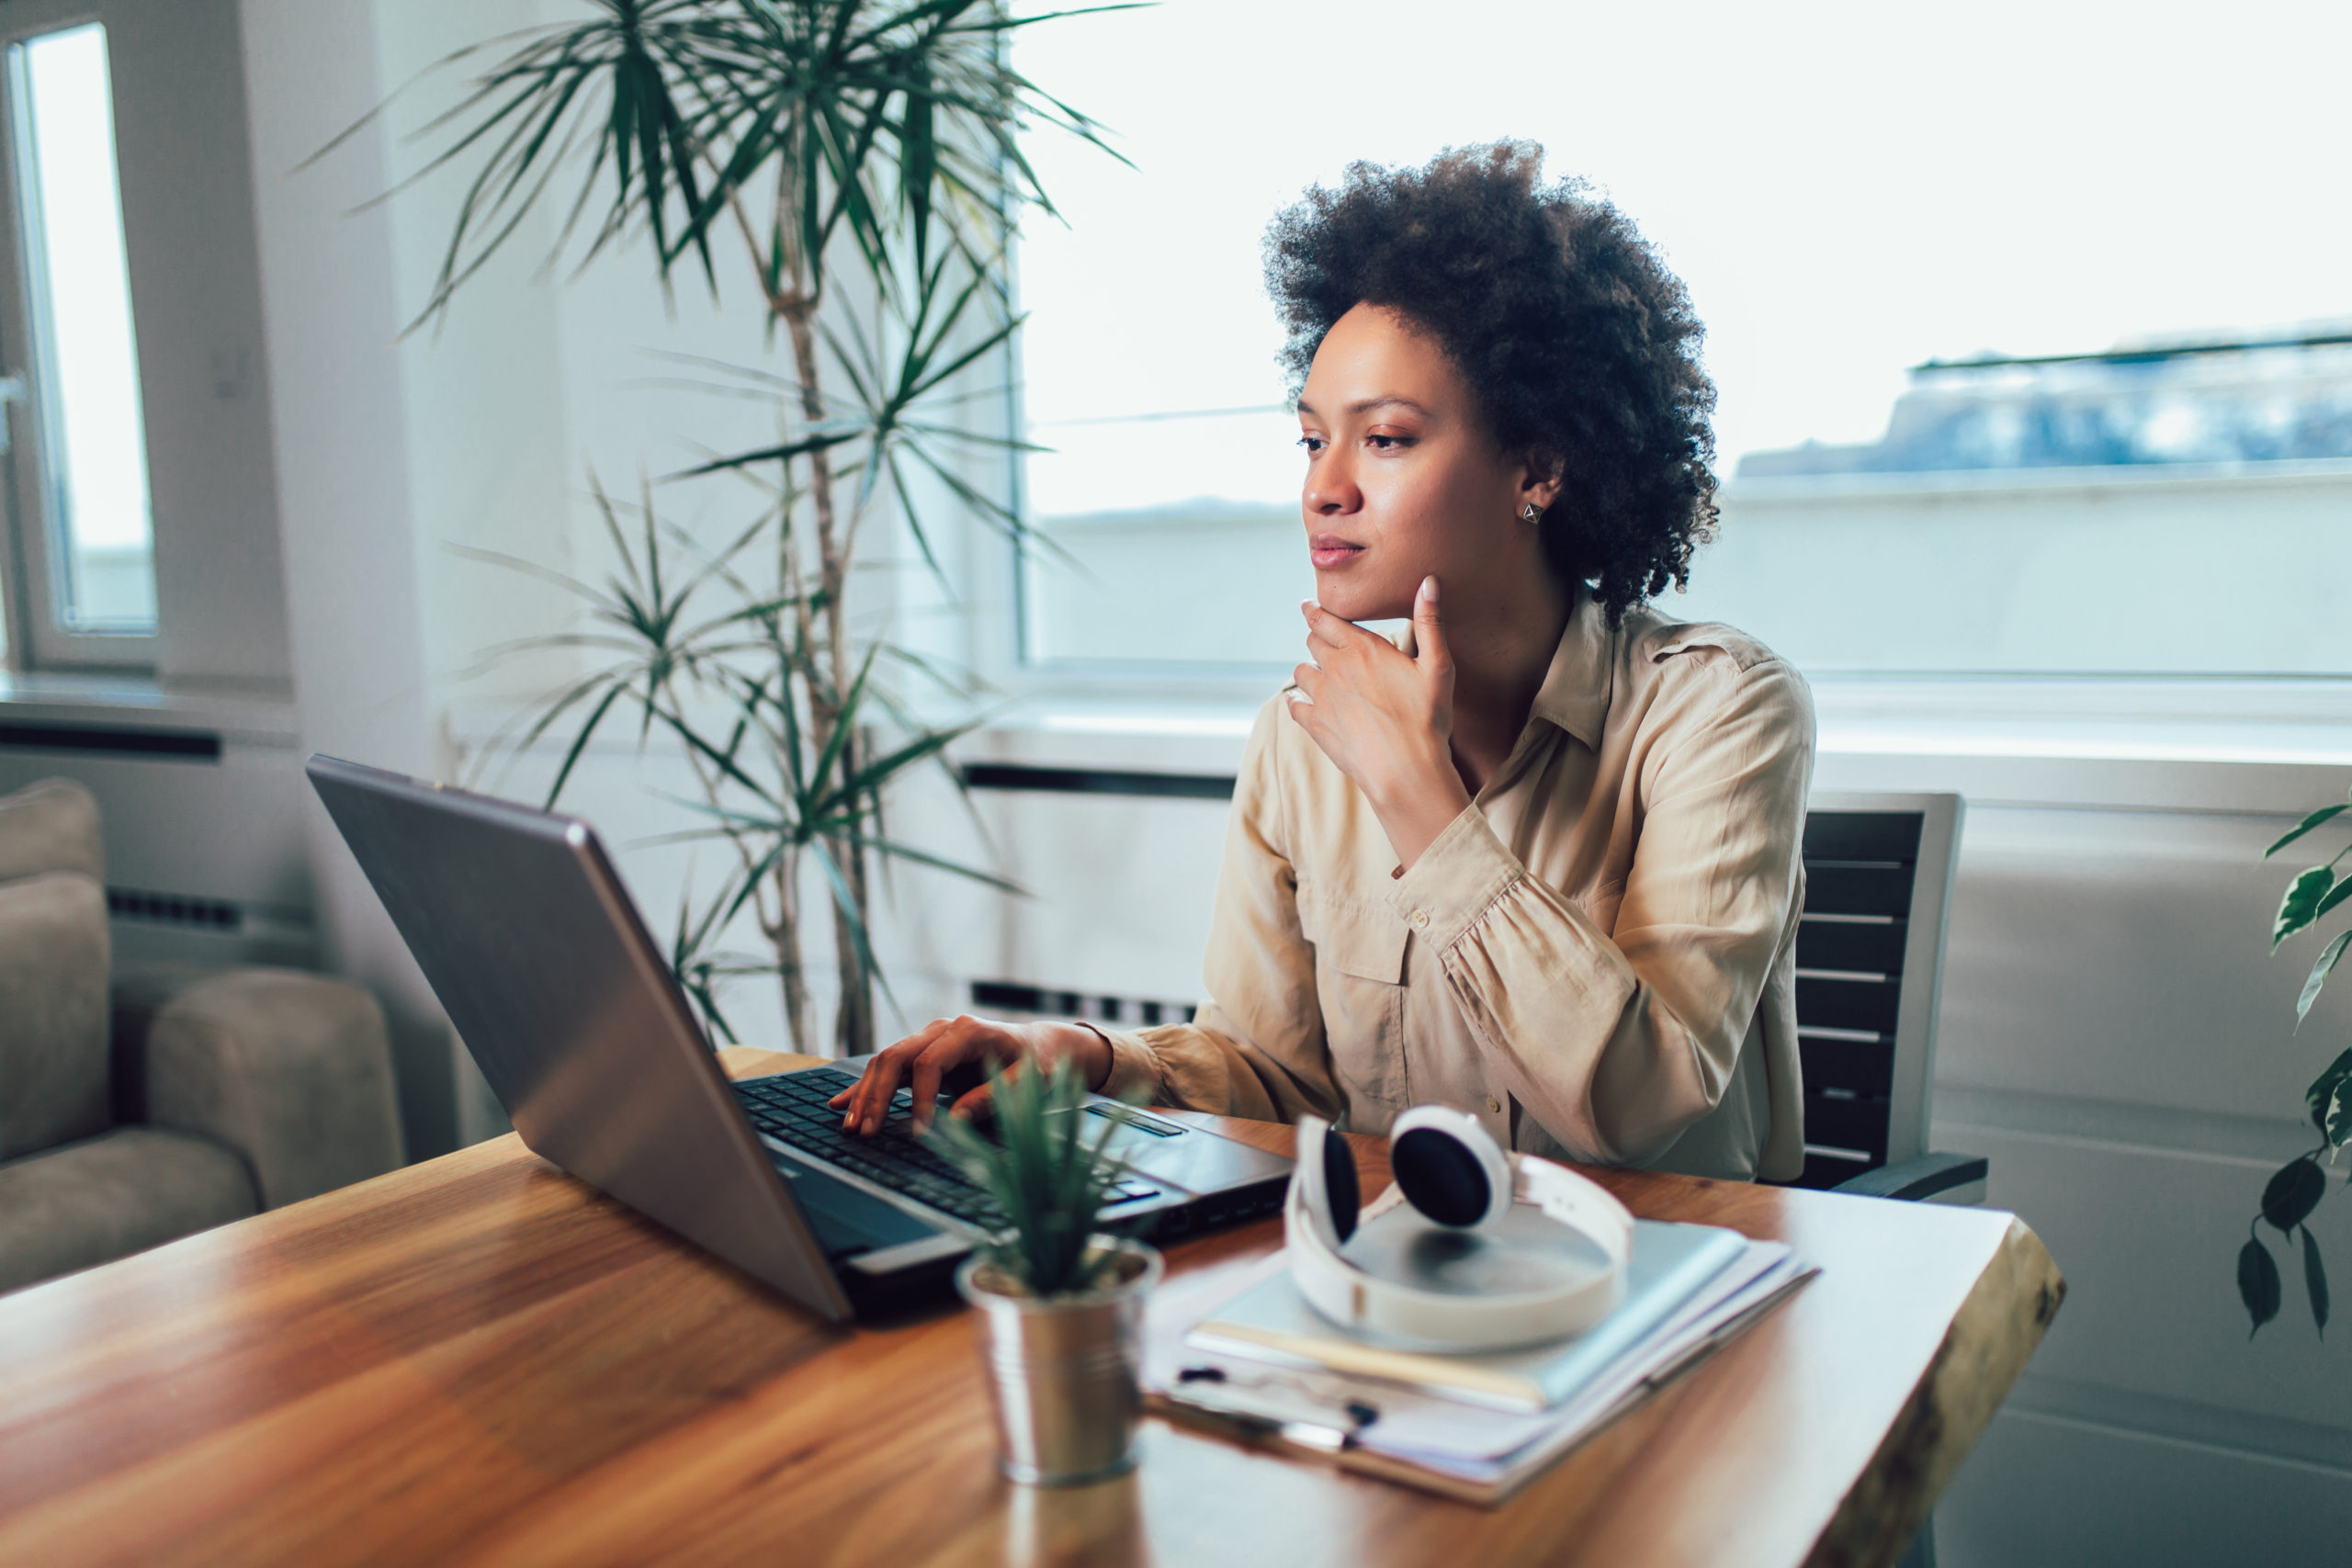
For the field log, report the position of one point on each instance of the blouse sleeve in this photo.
(1617, 1042)
(1258, 1048)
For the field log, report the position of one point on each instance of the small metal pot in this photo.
(1062, 1371)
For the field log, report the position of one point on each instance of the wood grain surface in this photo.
(480, 1360)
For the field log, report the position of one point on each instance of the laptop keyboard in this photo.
(791, 1109)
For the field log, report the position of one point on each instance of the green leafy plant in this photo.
(862, 160)
(1050, 1169)
(2295, 1190)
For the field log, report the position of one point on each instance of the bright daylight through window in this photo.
(95, 550)
(2013, 311)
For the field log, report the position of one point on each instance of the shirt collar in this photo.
(1577, 689)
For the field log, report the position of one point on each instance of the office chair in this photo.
(1870, 962)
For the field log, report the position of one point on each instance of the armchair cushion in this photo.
(292, 1070)
(107, 1196)
(51, 825)
(53, 954)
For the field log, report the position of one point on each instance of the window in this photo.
(2178, 506)
(2028, 323)
(84, 528)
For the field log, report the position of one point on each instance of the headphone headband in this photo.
(1449, 1157)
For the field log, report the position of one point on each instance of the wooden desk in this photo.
(479, 1360)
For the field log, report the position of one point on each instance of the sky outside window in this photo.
(87, 376)
(1848, 190)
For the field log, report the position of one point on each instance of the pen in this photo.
(1359, 1413)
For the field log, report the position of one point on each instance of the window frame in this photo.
(37, 635)
(999, 603)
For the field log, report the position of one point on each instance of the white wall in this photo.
(355, 614)
(200, 341)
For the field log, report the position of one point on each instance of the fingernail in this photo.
(1429, 589)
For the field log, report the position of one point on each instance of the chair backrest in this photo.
(1869, 967)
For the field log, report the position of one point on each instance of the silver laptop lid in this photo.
(536, 953)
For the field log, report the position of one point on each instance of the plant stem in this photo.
(853, 1019)
(825, 625)
(783, 935)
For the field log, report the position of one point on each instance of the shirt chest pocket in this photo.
(1360, 984)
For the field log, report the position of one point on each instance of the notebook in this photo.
(1478, 1453)
(1670, 1263)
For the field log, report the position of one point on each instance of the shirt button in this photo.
(1421, 920)
(1494, 1106)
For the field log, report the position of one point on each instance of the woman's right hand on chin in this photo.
(925, 1058)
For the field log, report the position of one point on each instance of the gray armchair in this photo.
(138, 1109)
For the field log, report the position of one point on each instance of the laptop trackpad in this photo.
(845, 1220)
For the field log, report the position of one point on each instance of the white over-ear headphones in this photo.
(1454, 1174)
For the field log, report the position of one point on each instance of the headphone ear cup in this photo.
(1341, 1189)
(1442, 1177)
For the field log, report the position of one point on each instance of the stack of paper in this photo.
(1471, 1425)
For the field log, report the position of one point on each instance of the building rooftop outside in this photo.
(2264, 397)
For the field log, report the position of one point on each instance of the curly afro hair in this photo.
(1572, 334)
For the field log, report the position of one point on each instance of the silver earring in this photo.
(1531, 513)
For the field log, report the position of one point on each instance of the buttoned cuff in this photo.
(1134, 1065)
(1456, 880)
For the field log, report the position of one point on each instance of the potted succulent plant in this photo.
(1058, 1302)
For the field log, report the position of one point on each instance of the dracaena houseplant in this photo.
(1047, 1166)
(2296, 1189)
(863, 160)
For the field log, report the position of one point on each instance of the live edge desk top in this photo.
(477, 1361)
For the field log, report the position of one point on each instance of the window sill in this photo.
(2225, 744)
(2233, 477)
(249, 715)
(2266, 747)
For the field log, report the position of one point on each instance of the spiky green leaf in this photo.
(587, 732)
(1049, 1168)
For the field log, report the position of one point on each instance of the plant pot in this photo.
(1062, 1370)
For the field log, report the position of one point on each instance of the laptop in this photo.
(529, 939)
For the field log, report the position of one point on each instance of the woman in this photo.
(1540, 862)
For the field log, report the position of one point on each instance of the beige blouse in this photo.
(1597, 958)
